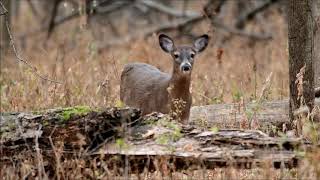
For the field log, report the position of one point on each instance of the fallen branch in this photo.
(267, 114)
(198, 149)
(68, 125)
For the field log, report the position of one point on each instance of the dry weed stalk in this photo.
(249, 121)
(178, 106)
(299, 83)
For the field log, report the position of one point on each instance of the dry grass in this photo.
(92, 78)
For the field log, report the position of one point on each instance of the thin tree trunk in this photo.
(316, 51)
(301, 73)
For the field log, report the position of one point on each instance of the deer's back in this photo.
(145, 87)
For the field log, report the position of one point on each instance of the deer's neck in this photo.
(180, 86)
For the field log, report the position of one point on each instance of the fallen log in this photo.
(273, 113)
(198, 149)
(123, 138)
(77, 127)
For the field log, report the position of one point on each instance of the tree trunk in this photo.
(4, 36)
(301, 73)
(316, 49)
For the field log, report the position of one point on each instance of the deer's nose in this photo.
(186, 68)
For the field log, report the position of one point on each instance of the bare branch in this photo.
(53, 17)
(235, 31)
(149, 31)
(180, 23)
(210, 13)
(19, 58)
(73, 15)
(33, 8)
(247, 16)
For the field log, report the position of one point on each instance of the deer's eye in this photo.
(176, 56)
(192, 55)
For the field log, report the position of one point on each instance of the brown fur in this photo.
(144, 86)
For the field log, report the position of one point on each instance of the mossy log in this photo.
(76, 127)
(126, 139)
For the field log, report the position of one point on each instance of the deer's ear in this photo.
(201, 43)
(166, 43)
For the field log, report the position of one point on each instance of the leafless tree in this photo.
(301, 74)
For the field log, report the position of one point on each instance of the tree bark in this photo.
(316, 49)
(4, 36)
(301, 73)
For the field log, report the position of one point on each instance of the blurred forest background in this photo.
(84, 45)
(62, 53)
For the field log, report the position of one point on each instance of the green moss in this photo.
(171, 136)
(163, 139)
(119, 104)
(67, 113)
(37, 112)
(45, 123)
(121, 143)
(214, 129)
(167, 137)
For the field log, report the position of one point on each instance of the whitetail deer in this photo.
(146, 87)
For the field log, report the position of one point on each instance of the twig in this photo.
(34, 70)
(5, 11)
